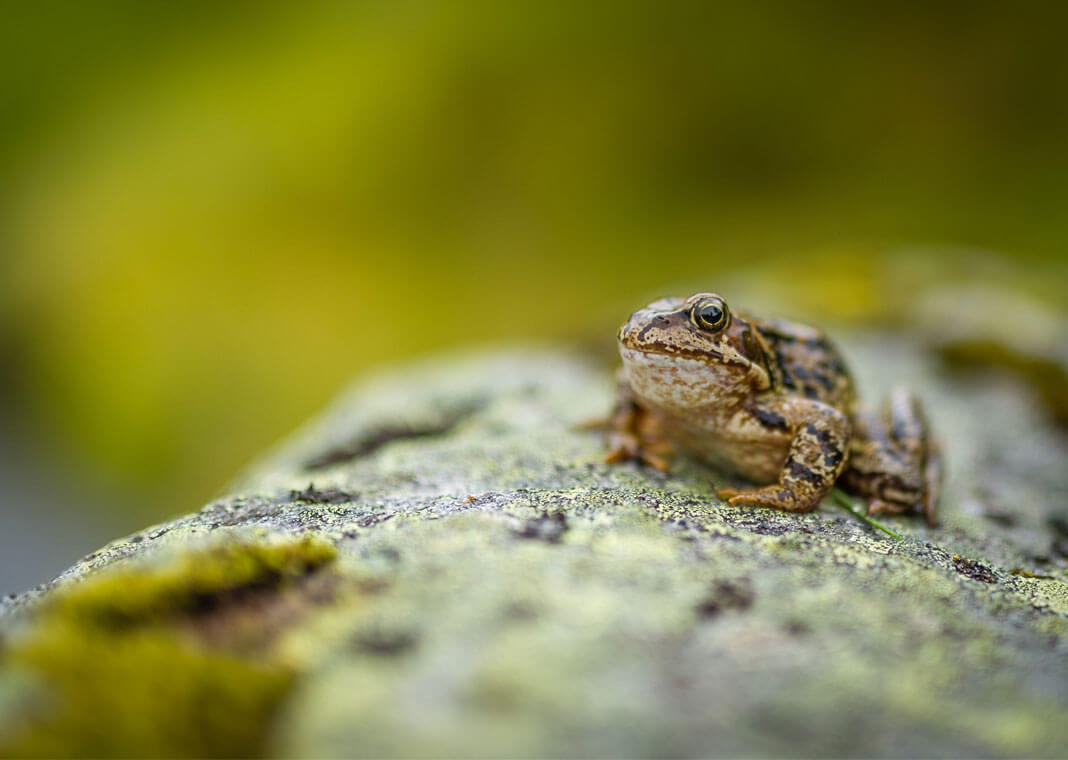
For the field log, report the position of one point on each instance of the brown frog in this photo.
(769, 400)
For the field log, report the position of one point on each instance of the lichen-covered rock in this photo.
(442, 566)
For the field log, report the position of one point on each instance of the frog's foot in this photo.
(894, 462)
(634, 434)
(877, 506)
(773, 496)
(625, 447)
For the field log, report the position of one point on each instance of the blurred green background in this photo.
(213, 214)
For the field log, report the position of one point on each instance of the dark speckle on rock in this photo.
(726, 595)
(384, 641)
(314, 495)
(974, 570)
(388, 553)
(371, 440)
(768, 527)
(1058, 524)
(998, 517)
(545, 527)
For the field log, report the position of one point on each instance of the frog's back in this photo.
(807, 363)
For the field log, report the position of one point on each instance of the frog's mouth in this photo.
(705, 355)
(706, 365)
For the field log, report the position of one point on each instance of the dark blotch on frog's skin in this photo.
(787, 378)
(798, 471)
(826, 440)
(824, 379)
(771, 419)
(660, 321)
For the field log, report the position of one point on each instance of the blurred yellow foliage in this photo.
(214, 216)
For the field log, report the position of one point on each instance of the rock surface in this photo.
(498, 591)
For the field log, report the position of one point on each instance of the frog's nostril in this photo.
(661, 320)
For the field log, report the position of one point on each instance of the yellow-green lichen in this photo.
(119, 670)
(148, 694)
(191, 581)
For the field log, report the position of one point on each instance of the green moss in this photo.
(120, 673)
(191, 582)
(142, 694)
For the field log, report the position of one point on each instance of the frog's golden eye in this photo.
(711, 314)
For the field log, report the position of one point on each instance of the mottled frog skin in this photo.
(769, 400)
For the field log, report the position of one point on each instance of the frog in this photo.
(771, 401)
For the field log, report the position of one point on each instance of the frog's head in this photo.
(683, 354)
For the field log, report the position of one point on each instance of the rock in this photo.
(441, 565)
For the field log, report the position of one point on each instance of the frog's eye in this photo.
(710, 314)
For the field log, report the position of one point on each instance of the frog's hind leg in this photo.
(893, 460)
(634, 433)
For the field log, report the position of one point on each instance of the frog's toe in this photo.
(626, 447)
(656, 452)
(774, 496)
(656, 462)
(593, 423)
(877, 506)
(622, 447)
(735, 496)
(758, 498)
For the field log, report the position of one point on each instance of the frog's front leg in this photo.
(816, 456)
(634, 433)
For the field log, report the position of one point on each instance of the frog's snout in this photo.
(639, 324)
(649, 330)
